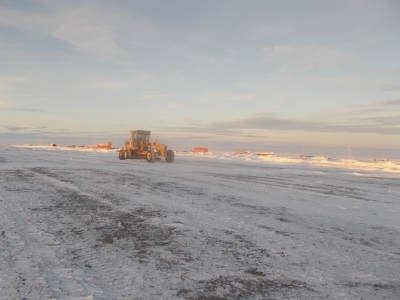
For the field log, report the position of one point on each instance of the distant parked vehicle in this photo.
(242, 152)
(381, 159)
(199, 150)
(100, 146)
(264, 153)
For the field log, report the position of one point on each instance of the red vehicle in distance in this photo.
(100, 146)
(199, 150)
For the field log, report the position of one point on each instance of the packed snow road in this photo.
(85, 225)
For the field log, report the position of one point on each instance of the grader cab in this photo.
(140, 146)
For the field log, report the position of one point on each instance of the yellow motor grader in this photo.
(140, 147)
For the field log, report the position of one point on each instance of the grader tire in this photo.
(150, 157)
(121, 155)
(170, 156)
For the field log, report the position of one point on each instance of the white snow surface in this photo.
(82, 224)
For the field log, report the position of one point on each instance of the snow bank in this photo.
(64, 148)
(317, 161)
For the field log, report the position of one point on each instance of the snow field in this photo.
(84, 225)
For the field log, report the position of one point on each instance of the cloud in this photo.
(43, 139)
(168, 106)
(15, 128)
(43, 130)
(389, 86)
(106, 33)
(82, 26)
(267, 121)
(226, 96)
(387, 121)
(273, 122)
(7, 82)
(211, 131)
(306, 57)
(155, 96)
(261, 31)
(388, 102)
(370, 111)
(19, 128)
(380, 125)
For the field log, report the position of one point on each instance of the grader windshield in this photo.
(140, 136)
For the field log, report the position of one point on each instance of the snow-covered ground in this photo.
(81, 224)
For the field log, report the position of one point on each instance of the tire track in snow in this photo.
(33, 261)
(96, 240)
(200, 248)
(173, 250)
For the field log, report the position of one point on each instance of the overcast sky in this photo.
(321, 73)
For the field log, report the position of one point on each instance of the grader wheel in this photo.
(150, 157)
(170, 156)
